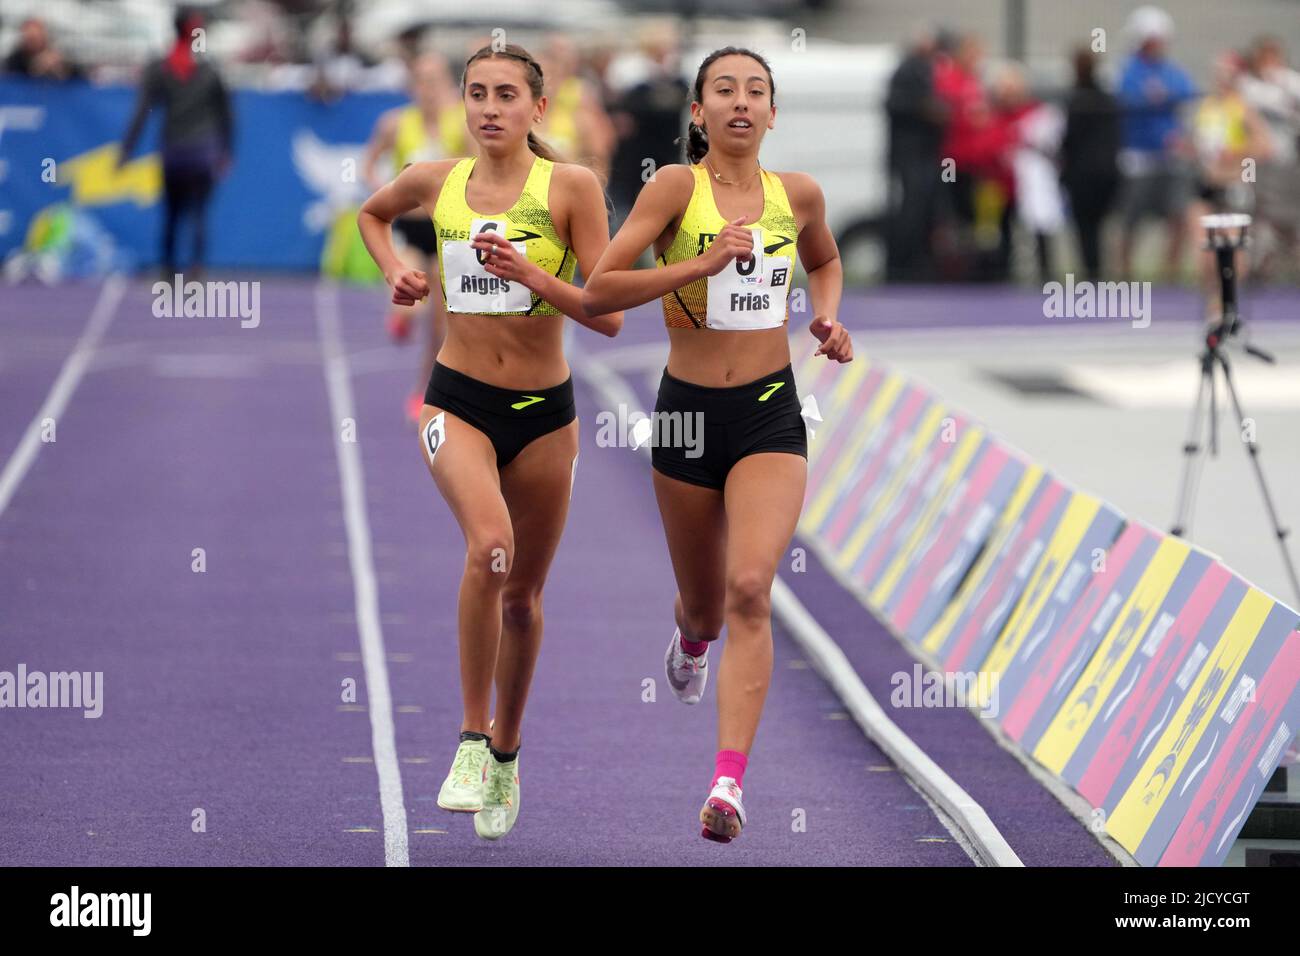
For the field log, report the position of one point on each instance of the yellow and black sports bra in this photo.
(466, 285)
(744, 295)
(413, 144)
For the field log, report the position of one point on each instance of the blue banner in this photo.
(296, 172)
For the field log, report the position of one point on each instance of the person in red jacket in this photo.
(978, 142)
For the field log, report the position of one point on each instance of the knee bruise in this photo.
(521, 607)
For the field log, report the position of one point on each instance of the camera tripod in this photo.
(1224, 234)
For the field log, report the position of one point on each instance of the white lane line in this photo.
(986, 845)
(835, 668)
(364, 586)
(74, 367)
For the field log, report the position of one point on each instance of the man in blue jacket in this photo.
(1157, 181)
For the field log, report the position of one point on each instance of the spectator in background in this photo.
(916, 117)
(1088, 158)
(648, 117)
(344, 67)
(601, 54)
(1273, 90)
(1151, 89)
(1015, 175)
(270, 36)
(1035, 135)
(408, 45)
(958, 86)
(341, 66)
(978, 140)
(197, 134)
(36, 57)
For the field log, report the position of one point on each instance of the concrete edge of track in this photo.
(982, 840)
(1078, 806)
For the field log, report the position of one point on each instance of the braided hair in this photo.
(533, 73)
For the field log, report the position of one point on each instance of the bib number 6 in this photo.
(743, 295)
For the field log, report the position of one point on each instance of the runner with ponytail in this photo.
(725, 232)
(498, 429)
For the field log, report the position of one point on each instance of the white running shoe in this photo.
(687, 674)
(462, 791)
(723, 814)
(500, 799)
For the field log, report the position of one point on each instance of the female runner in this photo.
(724, 231)
(498, 429)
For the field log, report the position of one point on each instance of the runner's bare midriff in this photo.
(522, 351)
(718, 358)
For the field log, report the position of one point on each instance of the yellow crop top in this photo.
(1219, 124)
(412, 142)
(466, 285)
(744, 295)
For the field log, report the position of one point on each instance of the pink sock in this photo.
(730, 763)
(694, 648)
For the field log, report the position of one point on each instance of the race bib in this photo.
(749, 294)
(470, 287)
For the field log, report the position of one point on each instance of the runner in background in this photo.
(576, 125)
(431, 127)
(1225, 132)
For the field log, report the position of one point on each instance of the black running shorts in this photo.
(698, 433)
(511, 418)
(419, 233)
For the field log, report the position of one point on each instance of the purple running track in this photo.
(223, 689)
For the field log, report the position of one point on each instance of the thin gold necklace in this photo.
(730, 182)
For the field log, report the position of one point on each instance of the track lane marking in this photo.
(74, 367)
(364, 584)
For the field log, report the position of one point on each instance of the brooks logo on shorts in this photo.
(771, 390)
(529, 400)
